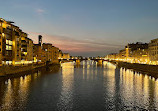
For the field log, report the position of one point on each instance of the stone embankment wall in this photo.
(11, 70)
(151, 70)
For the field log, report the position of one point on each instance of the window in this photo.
(8, 36)
(8, 47)
(7, 41)
(3, 34)
(10, 42)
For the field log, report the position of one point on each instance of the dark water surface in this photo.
(88, 87)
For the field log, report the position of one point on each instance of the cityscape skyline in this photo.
(79, 55)
(81, 28)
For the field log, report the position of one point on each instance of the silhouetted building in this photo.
(137, 45)
(40, 40)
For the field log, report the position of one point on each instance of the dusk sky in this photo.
(85, 27)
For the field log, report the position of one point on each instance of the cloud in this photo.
(76, 46)
(40, 11)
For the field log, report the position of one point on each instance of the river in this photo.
(85, 87)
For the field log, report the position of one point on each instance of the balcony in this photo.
(9, 37)
(17, 34)
(8, 31)
(23, 45)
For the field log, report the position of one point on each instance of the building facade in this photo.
(60, 55)
(55, 54)
(66, 56)
(17, 49)
(153, 51)
(14, 44)
(133, 53)
(47, 47)
(140, 56)
(39, 53)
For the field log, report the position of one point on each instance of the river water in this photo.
(85, 87)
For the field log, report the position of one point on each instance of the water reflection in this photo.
(65, 102)
(138, 90)
(83, 87)
(16, 92)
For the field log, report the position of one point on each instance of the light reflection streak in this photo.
(88, 71)
(65, 100)
(111, 78)
(137, 90)
(8, 99)
(16, 93)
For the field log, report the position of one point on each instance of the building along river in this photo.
(84, 87)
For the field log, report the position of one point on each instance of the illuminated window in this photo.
(7, 41)
(10, 47)
(25, 53)
(7, 47)
(10, 42)
(3, 34)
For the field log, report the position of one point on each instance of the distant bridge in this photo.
(99, 60)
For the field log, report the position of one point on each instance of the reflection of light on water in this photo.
(92, 62)
(83, 70)
(23, 89)
(111, 78)
(16, 93)
(138, 87)
(104, 64)
(88, 71)
(156, 91)
(67, 65)
(83, 63)
(65, 100)
(153, 78)
(8, 99)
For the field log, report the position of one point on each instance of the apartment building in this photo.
(66, 56)
(153, 50)
(60, 55)
(55, 54)
(47, 47)
(39, 53)
(13, 44)
(17, 49)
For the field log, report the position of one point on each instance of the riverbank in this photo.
(6, 71)
(151, 70)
